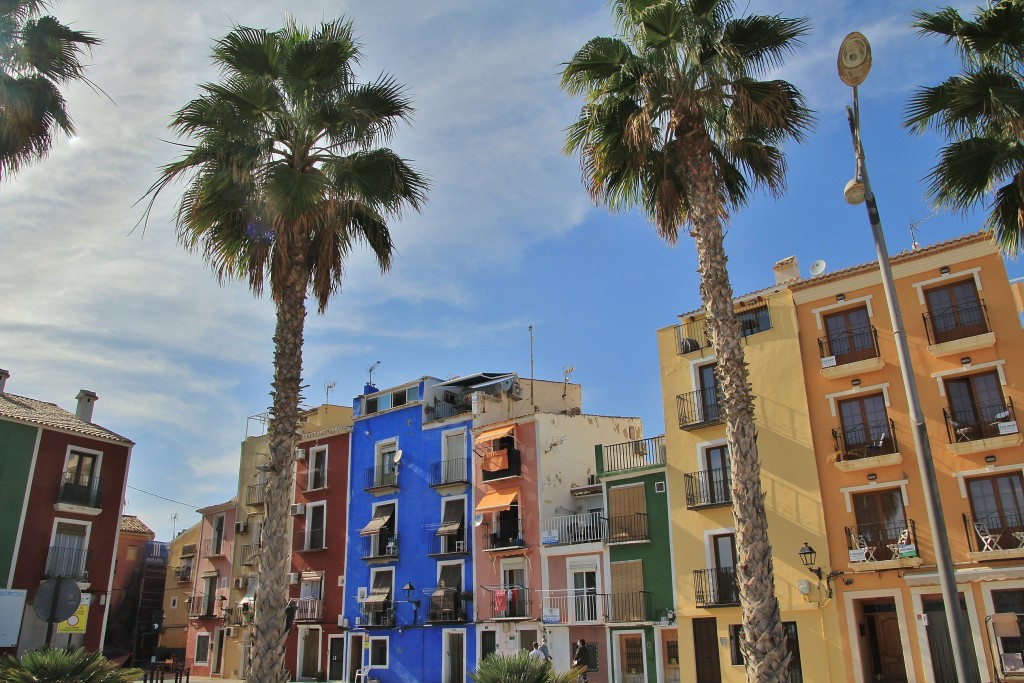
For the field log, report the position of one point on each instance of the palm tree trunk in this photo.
(764, 637)
(271, 635)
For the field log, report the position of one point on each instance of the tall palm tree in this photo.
(38, 55)
(981, 112)
(284, 178)
(676, 122)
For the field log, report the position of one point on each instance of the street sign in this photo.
(57, 599)
(12, 607)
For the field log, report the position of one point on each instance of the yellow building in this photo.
(703, 545)
(181, 556)
(960, 316)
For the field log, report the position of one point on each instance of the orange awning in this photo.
(497, 500)
(495, 461)
(492, 434)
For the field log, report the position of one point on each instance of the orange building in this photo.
(961, 318)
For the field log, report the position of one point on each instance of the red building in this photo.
(62, 483)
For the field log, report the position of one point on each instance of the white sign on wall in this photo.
(828, 362)
(12, 608)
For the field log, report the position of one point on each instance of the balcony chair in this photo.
(894, 548)
(963, 432)
(989, 540)
(1019, 535)
(861, 544)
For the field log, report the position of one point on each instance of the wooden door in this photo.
(705, 650)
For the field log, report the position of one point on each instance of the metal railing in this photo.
(626, 528)
(708, 488)
(629, 606)
(451, 471)
(865, 440)
(859, 343)
(699, 408)
(568, 529)
(442, 410)
(256, 494)
(382, 476)
(379, 545)
(572, 606)
(80, 490)
(445, 544)
(378, 614)
(632, 454)
(882, 541)
(308, 609)
(514, 468)
(715, 586)
(314, 479)
(958, 321)
(68, 563)
(445, 605)
(509, 602)
(250, 552)
(212, 546)
(200, 605)
(183, 573)
(981, 420)
(1003, 530)
(505, 534)
(693, 335)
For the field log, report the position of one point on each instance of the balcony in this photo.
(379, 547)
(507, 602)
(708, 488)
(444, 544)
(308, 609)
(446, 606)
(572, 606)
(850, 352)
(512, 468)
(882, 545)
(380, 614)
(861, 446)
(200, 606)
(633, 454)
(183, 573)
(452, 472)
(506, 535)
(981, 427)
(693, 335)
(629, 607)
(212, 547)
(699, 408)
(587, 527)
(442, 410)
(250, 553)
(256, 494)
(313, 480)
(958, 328)
(381, 478)
(233, 616)
(628, 528)
(716, 587)
(69, 563)
(80, 491)
(998, 536)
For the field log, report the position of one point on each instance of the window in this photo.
(132, 553)
(445, 601)
(385, 401)
(385, 473)
(69, 551)
(735, 650)
(584, 594)
(849, 336)
(203, 648)
(453, 459)
(754, 319)
(865, 429)
(513, 598)
(380, 532)
(311, 588)
(316, 515)
(452, 532)
(707, 382)
(977, 408)
(628, 597)
(379, 652)
(217, 541)
(318, 469)
(378, 604)
(723, 589)
(627, 506)
(1009, 601)
(715, 487)
(500, 456)
(998, 503)
(81, 481)
(174, 602)
(672, 652)
(881, 523)
(954, 312)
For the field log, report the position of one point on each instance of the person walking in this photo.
(536, 653)
(580, 661)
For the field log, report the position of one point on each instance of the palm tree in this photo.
(284, 179)
(676, 123)
(38, 55)
(518, 668)
(64, 665)
(981, 112)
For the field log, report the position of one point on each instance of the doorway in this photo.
(880, 627)
(705, 650)
(336, 657)
(939, 642)
(309, 653)
(355, 655)
(631, 658)
(454, 667)
(217, 661)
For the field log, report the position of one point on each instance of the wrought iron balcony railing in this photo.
(381, 614)
(573, 606)
(79, 490)
(183, 573)
(451, 471)
(256, 494)
(250, 553)
(859, 343)
(629, 606)
(508, 602)
(444, 544)
(715, 587)
(569, 529)
(708, 488)
(1003, 530)
(504, 535)
(442, 410)
(882, 541)
(699, 408)
(865, 440)
(380, 477)
(958, 321)
(446, 606)
(981, 420)
(627, 528)
(201, 605)
(693, 335)
(68, 562)
(212, 547)
(314, 479)
(514, 467)
(380, 546)
(633, 454)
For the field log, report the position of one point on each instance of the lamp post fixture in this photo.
(854, 62)
(409, 589)
(807, 557)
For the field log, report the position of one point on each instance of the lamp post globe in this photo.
(854, 60)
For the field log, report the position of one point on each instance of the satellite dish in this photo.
(57, 599)
(398, 457)
(478, 519)
(817, 268)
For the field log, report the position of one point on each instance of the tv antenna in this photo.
(370, 370)
(328, 388)
(567, 371)
(914, 228)
(174, 525)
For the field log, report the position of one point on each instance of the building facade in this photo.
(179, 583)
(209, 612)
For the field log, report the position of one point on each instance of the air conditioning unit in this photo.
(230, 631)
(294, 578)
(240, 527)
(361, 593)
(298, 509)
(300, 453)
(359, 622)
(242, 582)
(515, 392)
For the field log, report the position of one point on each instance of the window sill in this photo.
(856, 367)
(77, 509)
(855, 464)
(979, 445)
(957, 346)
(989, 555)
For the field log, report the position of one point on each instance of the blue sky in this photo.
(509, 238)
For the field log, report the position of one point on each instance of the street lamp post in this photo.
(854, 63)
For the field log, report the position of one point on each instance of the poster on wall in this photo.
(12, 607)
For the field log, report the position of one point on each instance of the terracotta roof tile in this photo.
(50, 415)
(132, 524)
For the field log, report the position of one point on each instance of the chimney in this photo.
(3, 379)
(85, 400)
(786, 270)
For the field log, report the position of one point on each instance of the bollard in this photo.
(187, 672)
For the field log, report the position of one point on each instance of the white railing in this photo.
(582, 528)
(572, 606)
(309, 609)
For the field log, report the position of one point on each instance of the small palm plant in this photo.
(64, 666)
(519, 668)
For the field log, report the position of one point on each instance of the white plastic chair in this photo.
(988, 539)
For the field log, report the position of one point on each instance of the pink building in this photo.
(207, 603)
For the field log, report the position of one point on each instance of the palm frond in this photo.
(1007, 216)
(757, 43)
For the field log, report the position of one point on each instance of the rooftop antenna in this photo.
(373, 367)
(914, 228)
(174, 525)
(328, 388)
(531, 365)
(567, 371)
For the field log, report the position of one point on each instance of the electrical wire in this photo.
(170, 500)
